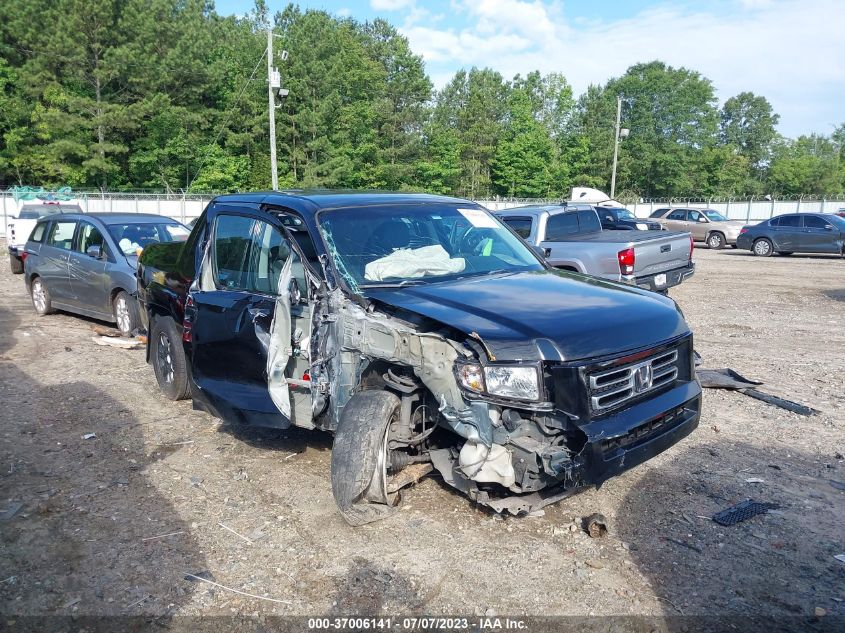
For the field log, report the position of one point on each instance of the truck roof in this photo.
(538, 209)
(313, 200)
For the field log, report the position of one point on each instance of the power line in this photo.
(229, 116)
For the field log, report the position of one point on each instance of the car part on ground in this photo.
(292, 310)
(742, 512)
(729, 379)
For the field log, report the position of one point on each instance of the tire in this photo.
(41, 297)
(785, 253)
(168, 358)
(16, 264)
(126, 313)
(762, 247)
(359, 454)
(716, 241)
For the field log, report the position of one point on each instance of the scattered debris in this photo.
(123, 343)
(226, 527)
(89, 436)
(682, 544)
(11, 511)
(840, 558)
(742, 511)
(72, 602)
(755, 480)
(411, 475)
(729, 379)
(837, 484)
(106, 331)
(820, 612)
(241, 593)
(536, 514)
(200, 575)
(596, 525)
(595, 564)
(153, 538)
(137, 602)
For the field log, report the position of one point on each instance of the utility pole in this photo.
(616, 145)
(273, 78)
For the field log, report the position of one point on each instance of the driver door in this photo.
(697, 224)
(238, 316)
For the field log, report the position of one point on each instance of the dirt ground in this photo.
(112, 524)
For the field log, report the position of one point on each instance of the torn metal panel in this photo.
(279, 344)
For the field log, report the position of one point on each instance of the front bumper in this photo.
(611, 445)
(652, 282)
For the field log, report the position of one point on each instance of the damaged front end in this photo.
(513, 436)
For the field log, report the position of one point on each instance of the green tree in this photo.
(748, 123)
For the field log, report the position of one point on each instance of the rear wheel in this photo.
(360, 457)
(41, 297)
(716, 241)
(762, 247)
(16, 263)
(126, 313)
(168, 358)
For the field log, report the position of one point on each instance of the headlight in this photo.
(642, 226)
(520, 382)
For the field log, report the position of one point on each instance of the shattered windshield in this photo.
(386, 246)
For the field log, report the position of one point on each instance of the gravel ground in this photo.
(112, 524)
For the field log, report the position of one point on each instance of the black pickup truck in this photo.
(424, 334)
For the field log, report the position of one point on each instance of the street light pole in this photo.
(616, 145)
(271, 102)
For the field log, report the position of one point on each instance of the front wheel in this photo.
(716, 241)
(762, 247)
(360, 457)
(16, 263)
(168, 358)
(126, 313)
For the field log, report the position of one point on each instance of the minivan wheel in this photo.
(16, 263)
(762, 247)
(126, 314)
(716, 241)
(168, 358)
(41, 297)
(360, 457)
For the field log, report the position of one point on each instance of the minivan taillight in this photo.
(626, 261)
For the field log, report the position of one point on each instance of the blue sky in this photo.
(790, 51)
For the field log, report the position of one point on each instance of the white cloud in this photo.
(789, 51)
(343, 12)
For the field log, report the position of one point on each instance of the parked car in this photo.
(621, 219)
(705, 225)
(572, 239)
(86, 263)
(20, 224)
(795, 233)
(841, 213)
(419, 330)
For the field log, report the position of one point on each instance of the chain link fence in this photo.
(185, 207)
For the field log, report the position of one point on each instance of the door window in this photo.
(560, 226)
(695, 216)
(89, 235)
(814, 222)
(249, 254)
(61, 235)
(38, 232)
(521, 225)
(679, 215)
(588, 222)
(790, 221)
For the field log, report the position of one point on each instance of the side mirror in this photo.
(828, 227)
(702, 219)
(542, 252)
(95, 251)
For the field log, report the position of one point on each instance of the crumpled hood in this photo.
(544, 315)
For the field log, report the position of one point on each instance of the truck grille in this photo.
(611, 388)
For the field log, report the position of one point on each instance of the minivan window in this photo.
(38, 232)
(89, 235)
(61, 235)
(522, 225)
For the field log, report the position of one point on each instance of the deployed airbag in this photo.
(410, 263)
